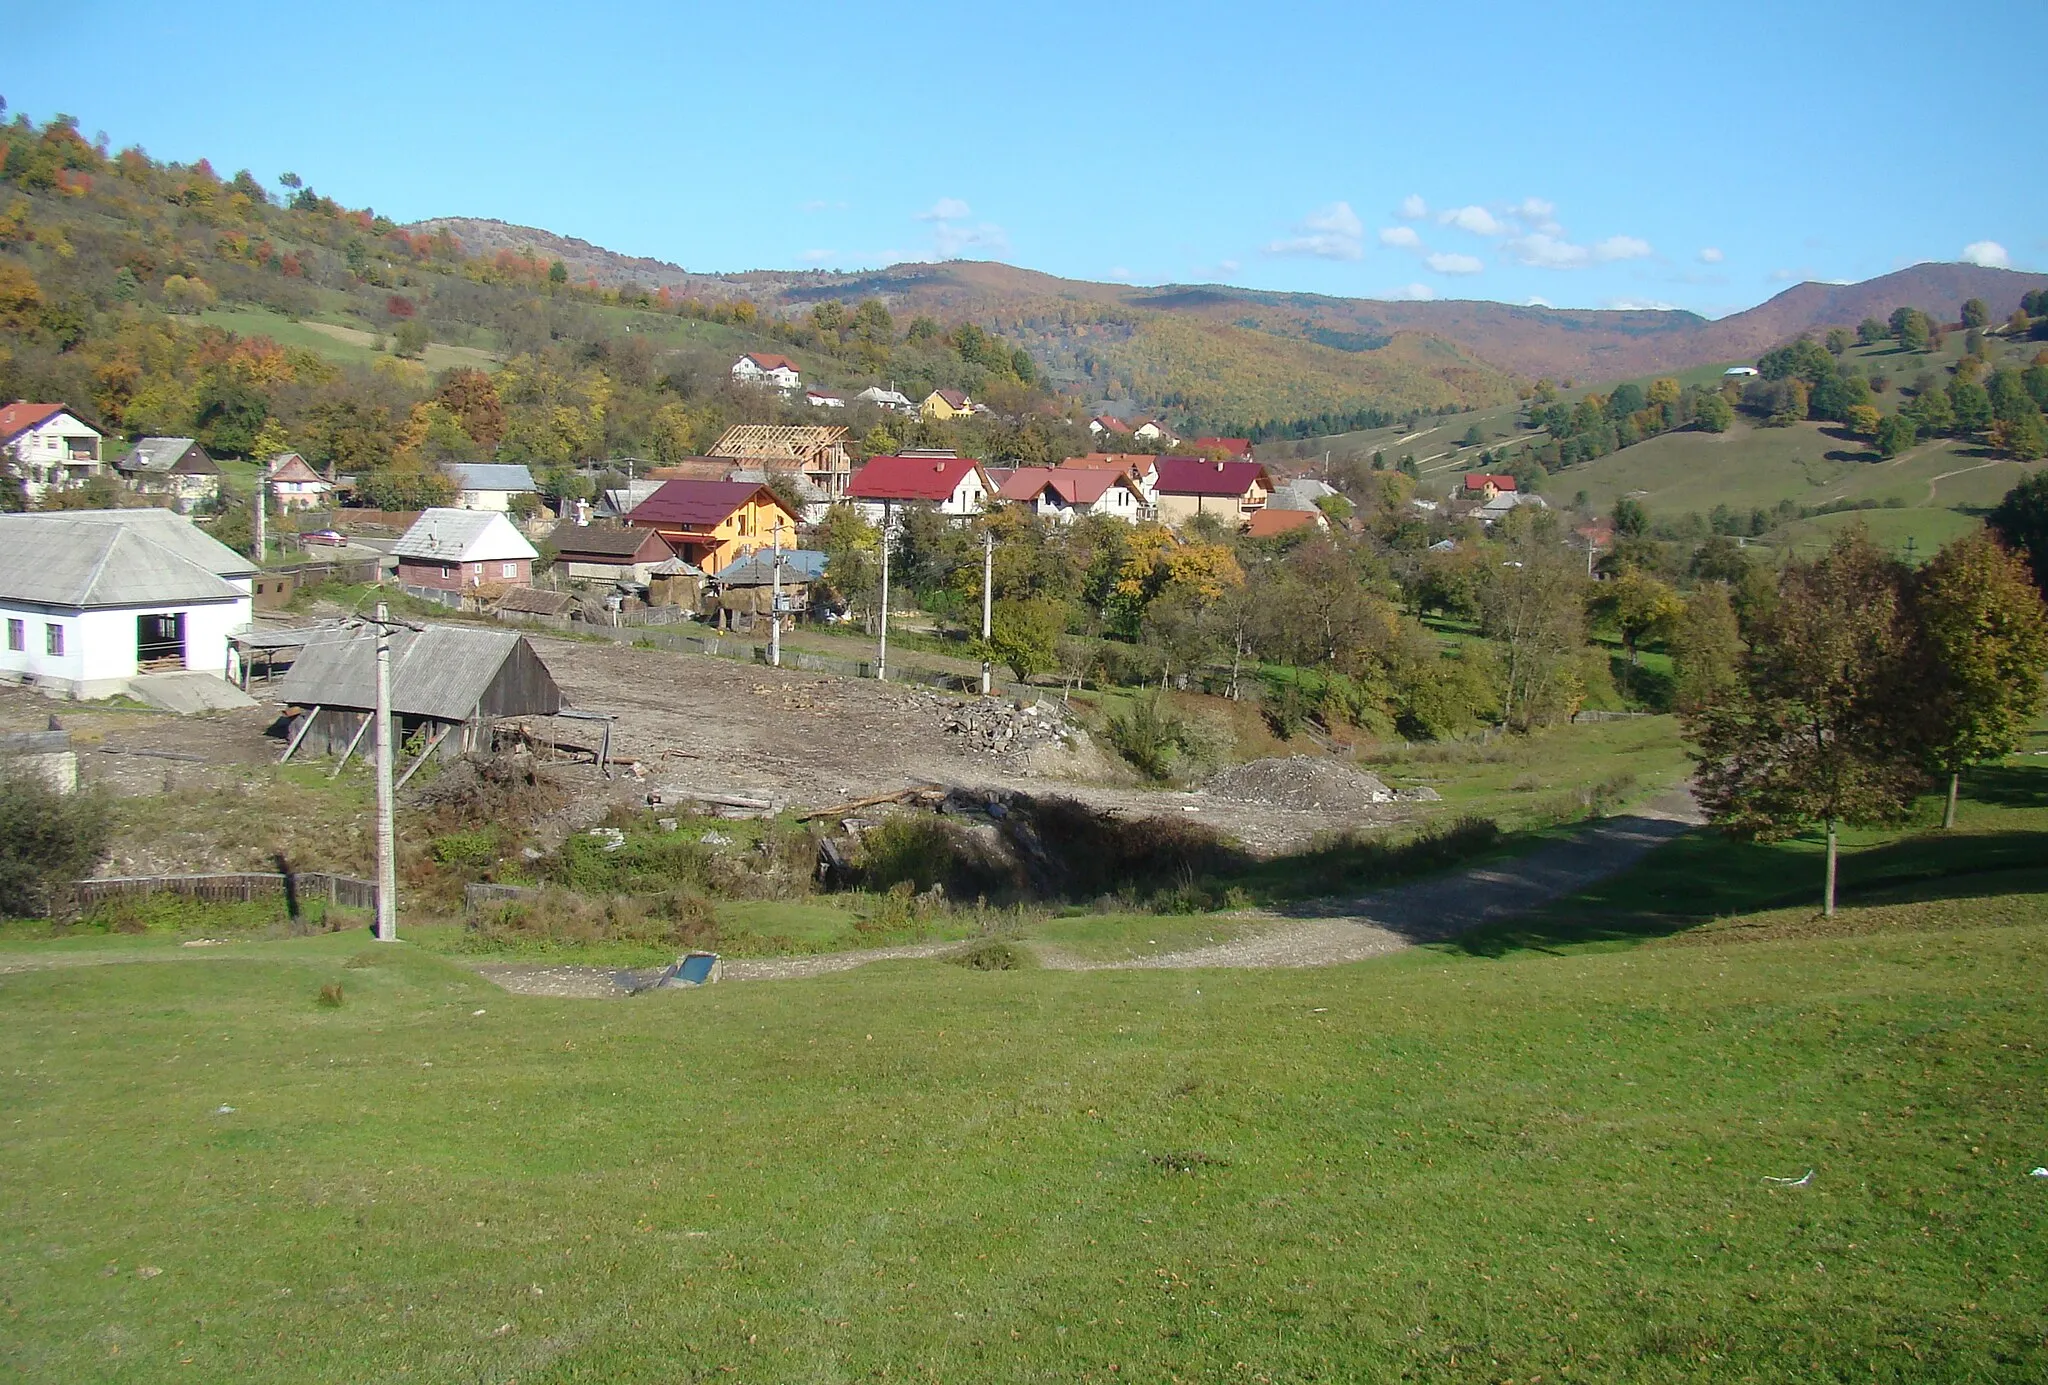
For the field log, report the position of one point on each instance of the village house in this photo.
(1106, 423)
(1191, 486)
(47, 448)
(893, 400)
(824, 399)
(951, 485)
(818, 454)
(90, 599)
(942, 406)
(1235, 449)
(1153, 430)
(489, 485)
(450, 553)
(710, 524)
(603, 553)
(1065, 493)
(294, 485)
(175, 467)
(1271, 523)
(1479, 486)
(778, 373)
(1141, 467)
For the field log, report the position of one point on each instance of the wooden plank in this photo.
(353, 742)
(427, 751)
(875, 800)
(304, 727)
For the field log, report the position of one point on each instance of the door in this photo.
(160, 641)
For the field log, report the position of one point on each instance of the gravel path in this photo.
(1313, 933)
(1325, 932)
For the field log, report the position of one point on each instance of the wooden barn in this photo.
(446, 681)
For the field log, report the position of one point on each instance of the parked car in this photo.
(332, 538)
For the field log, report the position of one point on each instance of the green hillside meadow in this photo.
(1577, 1147)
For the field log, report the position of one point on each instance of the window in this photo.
(509, 570)
(53, 639)
(17, 635)
(447, 571)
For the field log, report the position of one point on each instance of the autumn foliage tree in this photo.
(1819, 727)
(1984, 637)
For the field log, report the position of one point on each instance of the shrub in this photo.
(991, 954)
(475, 850)
(678, 918)
(47, 840)
(480, 791)
(1151, 735)
(914, 853)
(330, 995)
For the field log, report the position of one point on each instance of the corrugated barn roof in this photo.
(445, 672)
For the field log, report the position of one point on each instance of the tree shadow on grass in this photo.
(1706, 876)
(2007, 786)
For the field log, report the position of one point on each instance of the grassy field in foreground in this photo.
(1429, 1167)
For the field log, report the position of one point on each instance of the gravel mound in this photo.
(1300, 781)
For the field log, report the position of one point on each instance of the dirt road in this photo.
(1316, 933)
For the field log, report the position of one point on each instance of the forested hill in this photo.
(1065, 317)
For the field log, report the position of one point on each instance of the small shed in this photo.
(600, 553)
(447, 681)
(676, 583)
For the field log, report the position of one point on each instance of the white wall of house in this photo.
(299, 495)
(99, 654)
(498, 501)
(56, 454)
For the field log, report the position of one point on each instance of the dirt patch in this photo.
(1300, 782)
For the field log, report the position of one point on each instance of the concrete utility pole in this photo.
(775, 602)
(988, 568)
(262, 504)
(882, 653)
(387, 855)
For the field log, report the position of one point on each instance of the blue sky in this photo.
(1583, 155)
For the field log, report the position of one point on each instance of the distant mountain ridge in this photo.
(1064, 319)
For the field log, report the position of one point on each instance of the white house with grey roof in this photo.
(89, 599)
(489, 485)
(176, 467)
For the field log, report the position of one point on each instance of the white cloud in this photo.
(1639, 305)
(1541, 250)
(1711, 255)
(1988, 253)
(1330, 233)
(1788, 276)
(1400, 237)
(1622, 248)
(952, 240)
(1539, 303)
(1537, 215)
(1477, 220)
(1412, 293)
(818, 256)
(1412, 207)
(1121, 275)
(1454, 264)
(1228, 266)
(946, 209)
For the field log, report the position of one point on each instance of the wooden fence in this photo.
(344, 891)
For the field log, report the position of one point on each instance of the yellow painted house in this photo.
(714, 523)
(941, 405)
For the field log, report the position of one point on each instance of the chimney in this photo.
(1219, 468)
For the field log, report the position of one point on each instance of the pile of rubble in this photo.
(1303, 782)
(997, 726)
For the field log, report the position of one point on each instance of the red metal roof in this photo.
(1476, 481)
(1268, 522)
(1200, 476)
(910, 478)
(695, 504)
(1236, 447)
(17, 418)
